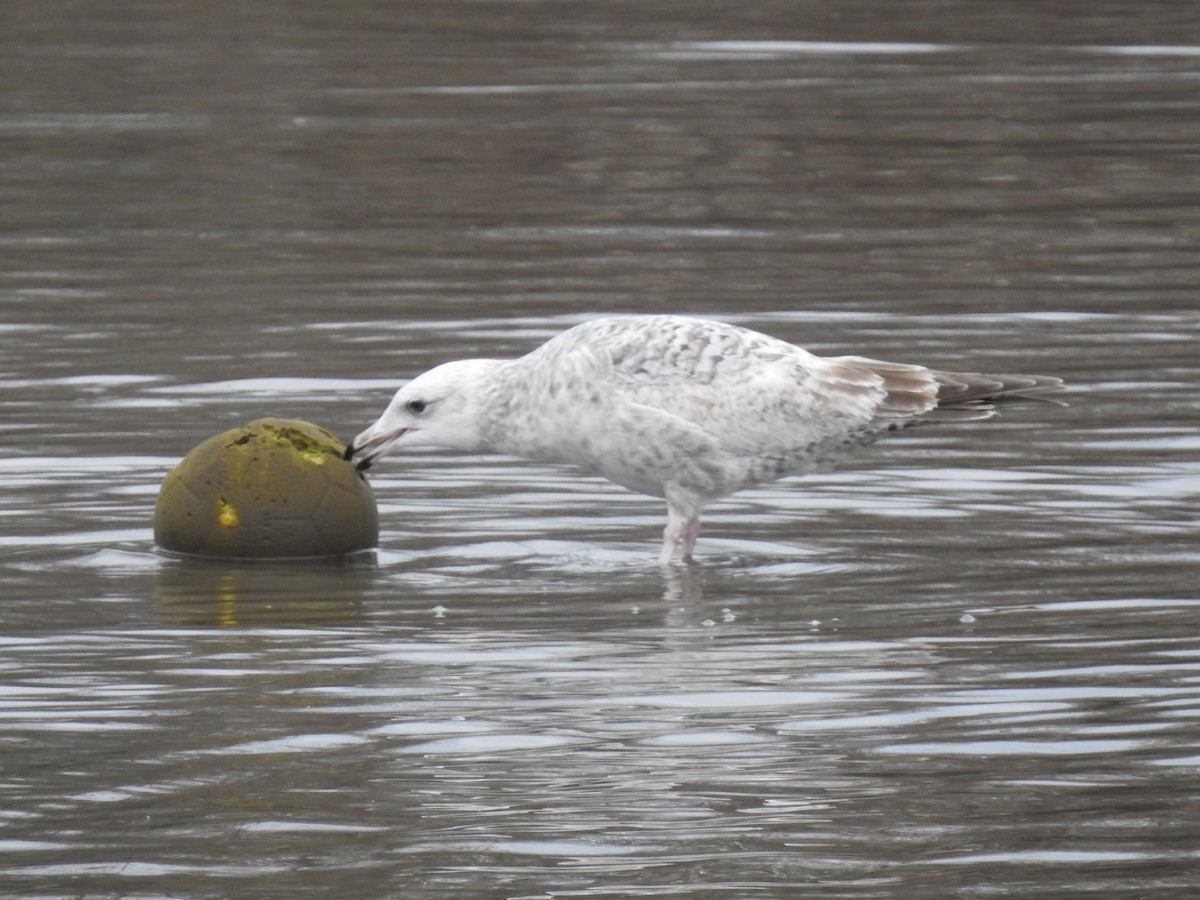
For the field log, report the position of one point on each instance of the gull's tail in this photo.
(915, 394)
(968, 396)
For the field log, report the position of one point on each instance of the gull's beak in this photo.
(365, 449)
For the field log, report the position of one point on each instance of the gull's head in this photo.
(440, 408)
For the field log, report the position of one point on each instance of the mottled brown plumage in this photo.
(955, 396)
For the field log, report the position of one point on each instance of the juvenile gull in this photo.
(685, 409)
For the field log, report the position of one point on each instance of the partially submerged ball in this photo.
(275, 487)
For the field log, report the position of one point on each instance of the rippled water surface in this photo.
(965, 664)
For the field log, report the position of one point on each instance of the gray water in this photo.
(965, 664)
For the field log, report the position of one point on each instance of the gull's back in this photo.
(649, 401)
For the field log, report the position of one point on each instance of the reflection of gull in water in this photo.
(685, 409)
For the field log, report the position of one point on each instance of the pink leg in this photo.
(671, 535)
(691, 531)
(677, 530)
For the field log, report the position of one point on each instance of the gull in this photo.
(686, 409)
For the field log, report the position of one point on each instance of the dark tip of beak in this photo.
(362, 465)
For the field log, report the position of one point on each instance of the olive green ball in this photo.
(273, 488)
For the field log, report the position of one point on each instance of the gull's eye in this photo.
(416, 407)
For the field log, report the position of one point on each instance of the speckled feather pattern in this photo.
(682, 408)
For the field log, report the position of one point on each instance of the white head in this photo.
(440, 408)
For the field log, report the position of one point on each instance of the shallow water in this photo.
(966, 664)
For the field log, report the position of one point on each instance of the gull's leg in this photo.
(671, 535)
(683, 524)
(677, 531)
(691, 531)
